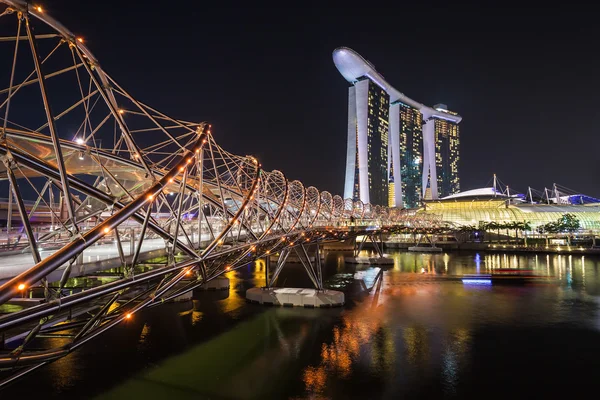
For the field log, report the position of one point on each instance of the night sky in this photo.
(524, 79)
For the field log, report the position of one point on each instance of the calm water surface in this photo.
(419, 333)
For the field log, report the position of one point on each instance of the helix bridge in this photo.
(94, 180)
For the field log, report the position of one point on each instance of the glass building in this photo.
(447, 154)
(473, 211)
(377, 144)
(391, 155)
(368, 112)
(411, 154)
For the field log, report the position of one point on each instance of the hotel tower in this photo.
(399, 151)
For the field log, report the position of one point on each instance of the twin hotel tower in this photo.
(399, 151)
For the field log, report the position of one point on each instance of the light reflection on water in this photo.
(416, 334)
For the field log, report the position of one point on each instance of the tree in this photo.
(569, 223)
(566, 223)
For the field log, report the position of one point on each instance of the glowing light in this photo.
(150, 197)
(39, 9)
(128, 316)
(188, 272)
(189, 160)
(80, 39)
(79, 141)
(21, 287)
(106, 230)
(267, 252)
(181, 169)
(227, 268)
(121, 111)
(171, 180)
(477, 281)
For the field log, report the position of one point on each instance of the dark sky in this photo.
(524, 78)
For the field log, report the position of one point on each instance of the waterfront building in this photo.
(409, 157)
(490, 205)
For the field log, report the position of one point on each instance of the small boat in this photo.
(503, 279)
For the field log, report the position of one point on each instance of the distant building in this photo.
(411, 154)
(472, 207)
(447, 154)
(368, 110)
(391, 156)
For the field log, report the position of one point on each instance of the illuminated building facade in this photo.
(411, 154)
(447, 154)
(487, 205)
(367, 155)
(378, 112)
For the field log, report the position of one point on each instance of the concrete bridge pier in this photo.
(379, 259)
(296, 297)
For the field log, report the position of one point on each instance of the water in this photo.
(420, 333)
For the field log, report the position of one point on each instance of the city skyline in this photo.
(167, 241)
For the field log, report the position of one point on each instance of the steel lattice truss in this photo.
(89, 169)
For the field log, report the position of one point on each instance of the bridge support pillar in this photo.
(295, 297)
(131, 241)
(379, 259)
(267, 269)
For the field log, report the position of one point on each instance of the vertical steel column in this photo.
(307, 265)
(60, 163)
(142, 233)
(179, 207)
(319, 266)
(51, 205)
(283, 256)
(3, 133)
(199, 167)
(267, 268)
(119, 247)
(23, 212)
(9, 216)
(131, 240)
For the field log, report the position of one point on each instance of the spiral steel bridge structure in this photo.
(94, 174)
(95, 178)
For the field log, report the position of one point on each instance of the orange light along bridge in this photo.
(97, 177)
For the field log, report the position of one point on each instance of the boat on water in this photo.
(505, 277)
